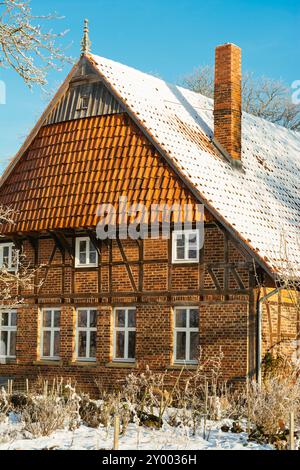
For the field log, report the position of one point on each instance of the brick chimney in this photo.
(228, 99)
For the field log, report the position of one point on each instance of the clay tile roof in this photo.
(262, 203)
(259, 204)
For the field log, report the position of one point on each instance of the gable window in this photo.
(8, 333)
(50, 334)
(86, 254)
(186, 335)
(8, 256)
(124, 334)
(86, 334)
(185, 246)
(84, 102)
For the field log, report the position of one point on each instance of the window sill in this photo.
(48, 362)
(183, 366)
(83, 363)
(8, 360)
(185, 262)
(121, 365)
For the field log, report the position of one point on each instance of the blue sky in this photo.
(166, 37)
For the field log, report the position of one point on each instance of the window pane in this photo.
(93, 341)
(56, 350)
(6, 250)
(12, 351)
(82, 246)
(180, 243)
(93, 254)
(82, 344)
(194, 318)
(131, 344)
(180, 345)
(82, 252)
(82, 258)
(193, 239)
(194, 346)
(120, 318)
(46, 343)
(120, 344)
(180, 240)
(13, 319)
(56, 319)
(192, 254)
(180, 318)
(131, 318)
(47, 318)
(4, 319)
(3, 343)
(179, 253)
(14, 260)
(93, 318)
(82, 318)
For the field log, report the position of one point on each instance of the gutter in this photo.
(259, 331)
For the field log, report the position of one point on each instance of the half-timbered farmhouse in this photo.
(100, 309)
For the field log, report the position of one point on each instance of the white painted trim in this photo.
(186, 330)
(77, 253)
(126, 329)
(186, 234)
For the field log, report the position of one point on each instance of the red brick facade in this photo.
(224, 322)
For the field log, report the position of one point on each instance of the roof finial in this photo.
(85, 42)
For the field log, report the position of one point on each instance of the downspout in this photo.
(259, 330)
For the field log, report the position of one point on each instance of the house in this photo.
(100, 309)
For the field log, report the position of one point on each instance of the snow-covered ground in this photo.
(137, 438)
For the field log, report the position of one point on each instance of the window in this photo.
(86, 334)
(185, 246)
(186, 335)
(86, 254)
(84, 102)
(8, 256)
(8, 333)
(50, 334)
(124, 334)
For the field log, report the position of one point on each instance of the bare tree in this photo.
(17, 277)
(262, 97)
(24, 45)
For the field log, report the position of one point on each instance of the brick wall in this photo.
(223, 321)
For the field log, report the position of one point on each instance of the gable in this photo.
(73, 166)
(84, 100)
(259, 204)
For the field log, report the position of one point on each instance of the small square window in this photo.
(185, 246)
(86, 254)
(8, 257)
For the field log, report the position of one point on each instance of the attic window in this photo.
(84, 102)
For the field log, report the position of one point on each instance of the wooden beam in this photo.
(128, 268)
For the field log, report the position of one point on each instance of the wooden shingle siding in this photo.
(99, 102)
(72, 167)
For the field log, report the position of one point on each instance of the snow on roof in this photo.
(261, 203)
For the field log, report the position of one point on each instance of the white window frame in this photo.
(187, 330)
(126, 329)
(88, 264)
(88, 329)
(12, 251)
(52, 330)
(186, 234)
(9, 328)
